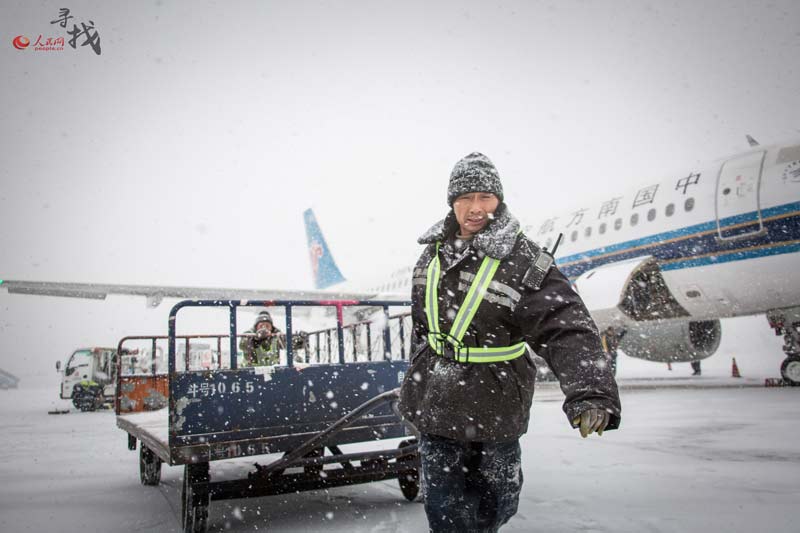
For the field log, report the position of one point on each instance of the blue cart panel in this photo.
(251, 411)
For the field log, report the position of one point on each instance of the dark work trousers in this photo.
(469, 486)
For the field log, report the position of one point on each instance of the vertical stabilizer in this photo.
(323, 267)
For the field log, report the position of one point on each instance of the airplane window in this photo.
(651, 215)
(618, 223)
(634, 219)
(588, 231)
(574, 236)
(669, 210)
(689, 204)
(602, 228)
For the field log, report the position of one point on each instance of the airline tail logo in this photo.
(315, 254)
(323, 267)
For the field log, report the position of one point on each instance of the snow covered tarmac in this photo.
(686, 459)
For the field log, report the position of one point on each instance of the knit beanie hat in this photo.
(474, 173)
(263, 316)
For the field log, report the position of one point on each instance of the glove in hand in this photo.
(592, 420)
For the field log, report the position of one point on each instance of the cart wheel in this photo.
(409, 480)
(314, 470)
(195, 498)
(149, 466)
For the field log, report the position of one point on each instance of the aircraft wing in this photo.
(325, 274)
(155, 293)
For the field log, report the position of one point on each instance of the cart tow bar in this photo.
(296, 457)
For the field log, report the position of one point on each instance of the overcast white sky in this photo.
(186, 152)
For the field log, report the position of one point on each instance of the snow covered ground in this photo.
(693, 455)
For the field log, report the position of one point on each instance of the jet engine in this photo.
(672, 340)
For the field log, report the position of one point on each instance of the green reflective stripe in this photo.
(435, 343)
(491, 355)
(432, 293)
(474, 298)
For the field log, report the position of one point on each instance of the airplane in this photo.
(665, 262)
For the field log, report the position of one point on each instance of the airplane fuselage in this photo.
(725, 238)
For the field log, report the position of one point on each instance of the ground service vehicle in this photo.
(342, 394)
(89, 377)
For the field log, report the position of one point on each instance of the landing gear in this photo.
(786, 322)
(195, 498)
(790, 370)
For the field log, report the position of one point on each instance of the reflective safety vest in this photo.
(266, 356)
(449, 344)
(265, 353)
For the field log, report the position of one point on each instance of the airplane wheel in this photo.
(790, 369)
(149, 466)
(409, 480)
(195, 498)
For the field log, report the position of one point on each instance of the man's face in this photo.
(267, 326)
(472, 211)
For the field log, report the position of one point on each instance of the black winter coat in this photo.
(490, 402)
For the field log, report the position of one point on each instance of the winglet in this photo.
(323, 267)
(751, 141)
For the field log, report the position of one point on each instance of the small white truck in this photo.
(89, 377)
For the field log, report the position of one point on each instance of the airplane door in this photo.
(738, 191)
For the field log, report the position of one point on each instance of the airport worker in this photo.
(263, 348)
(482, 294)
(610, 339)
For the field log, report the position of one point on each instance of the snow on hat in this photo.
(474, 173)
(263, 316)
